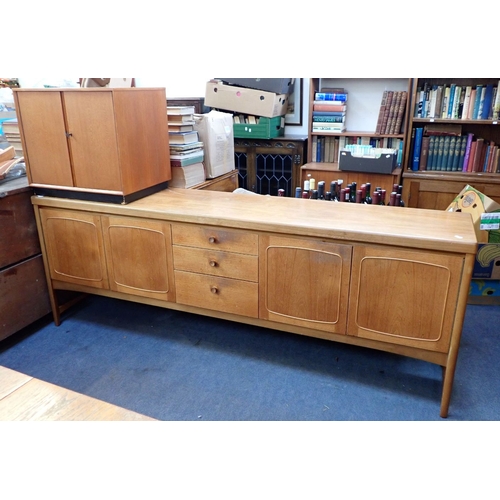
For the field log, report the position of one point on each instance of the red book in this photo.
(329, 107)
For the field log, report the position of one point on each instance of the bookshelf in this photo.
(435, 183)
(362, 114)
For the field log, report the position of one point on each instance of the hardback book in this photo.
(456, 153)
(439, 102)
(424, 153)
(477, 100)
(393, 111)
(463, 147)
(451, 100)
(333, 90)
(177, 119)
(440, 150)
(327, 119)
(456, 102)
(185, 161)
(189, 153)
(477, 150)
(185, 147)
(446, 98)
(187, 176)
(401, 113)
(485, 110)
(180, 110)
(496, 104)
(334, 127)
(180, 128)
(471, 103)
(419, 102)
(183, 137)
(432, 106)
(328, 113)
(314, 147)
(445, 164)
(324, 106)
(390, 96)
(11, 126)
(468, 148)
(431, 154)
(465, 109)
(381, 112)
(419, 131)
(330, 96)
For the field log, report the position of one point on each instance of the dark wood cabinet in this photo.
(24, 296)
(266, 165)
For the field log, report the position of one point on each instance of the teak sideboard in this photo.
(388, 278)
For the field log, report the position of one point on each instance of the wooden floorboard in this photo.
(26, 398)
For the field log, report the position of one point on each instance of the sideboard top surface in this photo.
(373, 224)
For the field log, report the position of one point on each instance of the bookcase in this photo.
(363, 108)
(432, 176)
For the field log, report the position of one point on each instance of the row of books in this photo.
(186, 150)
(327, 148)
(458, 102)
(454, 153)
(392, 111)
(329, 110)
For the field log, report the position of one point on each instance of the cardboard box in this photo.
(215, 130)
(247, 101)
(276, 85)
(472, 201)
(384, 164)
(487, 264)
(485, 215)
(480, 288)
(267, 128)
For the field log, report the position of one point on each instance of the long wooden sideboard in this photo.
(388, 278)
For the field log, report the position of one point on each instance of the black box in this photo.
(276, 85)
(385, 164)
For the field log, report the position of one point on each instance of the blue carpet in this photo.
(178, 366)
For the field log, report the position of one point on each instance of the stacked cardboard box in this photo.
(258, 105)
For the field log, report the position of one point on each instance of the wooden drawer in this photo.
(218, 294)
(23, 295)
(224, 264)
(18, 234)
(215, 238)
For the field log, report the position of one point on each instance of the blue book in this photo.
(487, 102)
(461, 160)
(328, 113)
(431, 155)
(475, 110)
(326, 96)
(449, 113)
(417, 146)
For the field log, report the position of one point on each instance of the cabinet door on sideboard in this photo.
(74, 246)
(304, 282)
(404, 297)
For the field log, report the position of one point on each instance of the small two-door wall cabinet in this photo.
(105, 144)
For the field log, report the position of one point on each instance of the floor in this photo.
(26, 398)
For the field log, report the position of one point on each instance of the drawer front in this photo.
(215, 238)
(218, 294)
(224, 264)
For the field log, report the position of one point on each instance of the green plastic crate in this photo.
(267, 128)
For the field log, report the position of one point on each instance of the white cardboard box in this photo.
(246, 101)
(215, 130)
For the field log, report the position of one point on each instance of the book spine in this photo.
(446, 98)
(465, 109)
(463, 145)
(325, 96)
(440, 151)
(419, 131)
(477, 100)
(431, 153)
(488, 95)
(424, 153)
(451, 100)
(468, 146)
(496, 105)
(401, 112)
(381, 112)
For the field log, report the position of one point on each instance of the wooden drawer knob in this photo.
(212, 239)
(213, 263)
(214, 289)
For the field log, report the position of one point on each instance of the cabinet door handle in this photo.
(213, 263)
(69, 134)
(212, 239)
(214, 289)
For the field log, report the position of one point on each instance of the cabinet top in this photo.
(374, 224)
